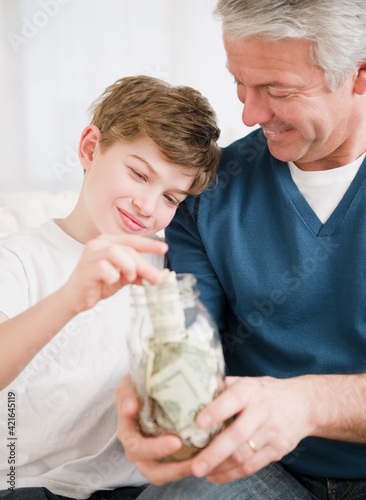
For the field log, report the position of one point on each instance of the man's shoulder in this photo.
(240, 161)
(249, 148)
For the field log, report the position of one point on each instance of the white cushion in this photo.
(21, 210)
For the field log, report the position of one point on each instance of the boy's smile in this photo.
(130, 221)
(130, 187)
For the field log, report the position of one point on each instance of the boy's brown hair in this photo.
(179, 120)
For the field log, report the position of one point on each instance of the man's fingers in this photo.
(232, 400)
(235, 437)
(221, 448)
(227, 475)
(256, 462)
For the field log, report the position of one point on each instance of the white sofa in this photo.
(25, 209)
(21, 210)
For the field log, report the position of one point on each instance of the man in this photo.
(278, 250)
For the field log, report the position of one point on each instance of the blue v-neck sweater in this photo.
(288, 292)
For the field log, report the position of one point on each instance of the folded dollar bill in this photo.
(183, 366)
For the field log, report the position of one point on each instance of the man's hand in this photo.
(107, 264)
(272, 418)
(144, 452)
(272, 414)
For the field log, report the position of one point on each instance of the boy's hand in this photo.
(144, 452)
(107, 264)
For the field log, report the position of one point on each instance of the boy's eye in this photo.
(138, 174)
(171, 200)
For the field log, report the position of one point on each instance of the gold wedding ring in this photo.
(252, 445)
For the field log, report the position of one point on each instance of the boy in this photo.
(148, 146)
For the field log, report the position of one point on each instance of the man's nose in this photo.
(256, 108)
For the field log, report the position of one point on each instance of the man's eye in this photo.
(278, 95)
(236, 82)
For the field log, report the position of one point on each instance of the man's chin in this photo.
(281, 153)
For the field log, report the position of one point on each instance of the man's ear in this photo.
(360, 81)
(88, 145)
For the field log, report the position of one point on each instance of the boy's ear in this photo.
(88, 145)
(360, 82)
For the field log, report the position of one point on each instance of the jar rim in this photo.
(186, 283)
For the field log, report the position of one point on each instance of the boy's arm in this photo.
(24, 335)
(108, 263)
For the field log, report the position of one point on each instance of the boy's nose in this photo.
(146, 206)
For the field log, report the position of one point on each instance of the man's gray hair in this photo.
(336, 28)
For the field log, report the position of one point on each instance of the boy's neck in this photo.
(76, 225)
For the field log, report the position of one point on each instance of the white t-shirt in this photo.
(66, 418)
(324, 189)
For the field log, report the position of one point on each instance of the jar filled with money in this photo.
(177, 363)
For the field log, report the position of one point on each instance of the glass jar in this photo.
(177, 364)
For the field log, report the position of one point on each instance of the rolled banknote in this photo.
(166, 311)
(183, 367)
